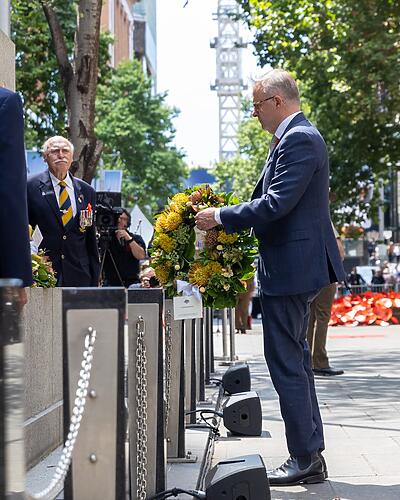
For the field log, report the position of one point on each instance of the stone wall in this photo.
(43, 377)
(7, 62)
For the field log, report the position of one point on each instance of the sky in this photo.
(186, 66)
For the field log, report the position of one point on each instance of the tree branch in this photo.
(60, 47)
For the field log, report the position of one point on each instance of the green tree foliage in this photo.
(136, 129)
(37, 74)
(241, 173)
(346, 55)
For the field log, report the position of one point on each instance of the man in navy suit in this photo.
(289, 212)
(15, 254)
(60, 205)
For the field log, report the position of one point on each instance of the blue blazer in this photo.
(15, 253)
(289, 212)
(73, 253)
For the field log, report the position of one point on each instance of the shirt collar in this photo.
(283, 125)
(56, 182)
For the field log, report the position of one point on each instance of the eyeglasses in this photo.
(257, 104)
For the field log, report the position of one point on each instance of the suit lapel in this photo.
(297, 119)
(47, 192)
(80, 200)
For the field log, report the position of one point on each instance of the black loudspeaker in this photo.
(237, 379)
(240, 478)
(242, 414)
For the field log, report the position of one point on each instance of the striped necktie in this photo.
(65, 204)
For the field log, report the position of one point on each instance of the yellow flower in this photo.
(166, 242)
(178, 202)
(180, 198)
(173, 220)
(159, 226)
(227, 238)
(227, 287)
(162, 273)
(198, 274)
(202, 289)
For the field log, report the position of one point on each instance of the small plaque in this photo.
(188, 307)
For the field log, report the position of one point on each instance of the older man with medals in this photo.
(62, 206)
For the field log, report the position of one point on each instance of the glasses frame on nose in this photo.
(256, 105)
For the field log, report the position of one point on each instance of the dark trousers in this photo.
(285, 320)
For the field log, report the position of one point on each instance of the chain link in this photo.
(141, 411)
(75, 422)
(168, 351)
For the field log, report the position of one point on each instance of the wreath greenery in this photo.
(218, 263)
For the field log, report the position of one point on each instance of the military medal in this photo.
(86, 218)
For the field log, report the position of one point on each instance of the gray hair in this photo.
(279, 81)
(47, 143)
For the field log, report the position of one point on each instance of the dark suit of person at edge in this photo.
(15, 254)
(289, 212)
(57, 202)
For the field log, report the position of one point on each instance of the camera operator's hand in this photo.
(122, 234)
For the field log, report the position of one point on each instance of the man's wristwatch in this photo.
(130, 241)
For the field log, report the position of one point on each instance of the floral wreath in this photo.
(214, 263)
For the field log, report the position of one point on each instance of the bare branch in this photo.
(60, 47)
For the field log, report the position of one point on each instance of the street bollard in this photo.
(12, 454)
(175, 419)
(232, 348)
(200, 328)
(98, 465)
(190, 369)
(146, 392)
(224, 334)
(207, 346)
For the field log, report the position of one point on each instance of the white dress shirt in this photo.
(69, 188)
(278, 133)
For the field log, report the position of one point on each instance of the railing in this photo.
(112, 407)
(360, 289)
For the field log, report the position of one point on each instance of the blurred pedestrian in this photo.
(242, 322)
(317, 331)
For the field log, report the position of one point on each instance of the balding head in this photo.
(280, 82)
(58, 153)
(275, 97)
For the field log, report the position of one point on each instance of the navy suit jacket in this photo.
(289, 212)
(15, 253)
(73, 253)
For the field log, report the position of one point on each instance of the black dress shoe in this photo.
(290, 473)
(327, 372)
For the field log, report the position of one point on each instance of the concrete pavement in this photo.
(360, 410)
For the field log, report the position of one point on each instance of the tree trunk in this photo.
(79, 80)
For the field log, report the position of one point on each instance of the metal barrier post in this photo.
(146, 392)
(200, 327)
(98, 464)
(207, 351)
(176, 394)
(233, 356)
(212, 359)
(12, 454)
(190, 369)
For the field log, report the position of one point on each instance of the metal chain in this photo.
(75, 423)
(168, 350)
(141, 411)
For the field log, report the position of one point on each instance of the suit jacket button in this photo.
(64, 237)
(62, 256)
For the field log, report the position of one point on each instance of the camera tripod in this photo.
(104, 250)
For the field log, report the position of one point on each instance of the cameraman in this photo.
(127, 250)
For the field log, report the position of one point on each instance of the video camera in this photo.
(107, 219)
(108, 210)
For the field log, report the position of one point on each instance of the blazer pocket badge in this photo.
(86, 218)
